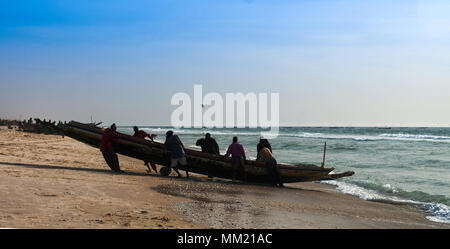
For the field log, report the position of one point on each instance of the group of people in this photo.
(110, 156)
(208, 145)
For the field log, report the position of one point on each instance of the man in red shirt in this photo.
(106, 147)
(143, 134)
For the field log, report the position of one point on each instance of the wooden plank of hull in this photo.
(198, 162)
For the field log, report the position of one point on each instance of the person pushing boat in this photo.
(266, 156)
(208, 144)
(263, 142)
(236, 150)
(106, 147)
(178, 156)
(142, 134)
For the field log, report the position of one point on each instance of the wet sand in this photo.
(47, 181)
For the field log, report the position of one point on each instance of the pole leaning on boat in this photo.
(324, 151)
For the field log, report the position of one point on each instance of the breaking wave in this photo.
(415, 137)
(431, 204)
(286, 132)
(400, 136)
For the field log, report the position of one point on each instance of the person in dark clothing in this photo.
(106, 147)
(208, 144)
(237, 157)
(267, 157)
(263, 143)
(178, 156)
(143, 134)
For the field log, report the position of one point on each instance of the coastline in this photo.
(47, 181)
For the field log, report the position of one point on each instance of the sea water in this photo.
(409, 165)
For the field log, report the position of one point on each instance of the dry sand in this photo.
(47, 181)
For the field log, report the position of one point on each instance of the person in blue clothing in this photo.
(178, 156)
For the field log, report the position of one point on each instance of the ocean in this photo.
(403, 165)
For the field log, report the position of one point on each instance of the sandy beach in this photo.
(47, 181)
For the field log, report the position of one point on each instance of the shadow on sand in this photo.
(103, 171)
(107, 171)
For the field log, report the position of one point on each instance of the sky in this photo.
(333, 63)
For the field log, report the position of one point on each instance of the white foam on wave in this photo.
(154, 129)
(399, 136)
(415, 137)
(356, 137)
(194, 146)
(201, 132)
(365, 194)
(335, 136)
(440, 212)
(438, 219)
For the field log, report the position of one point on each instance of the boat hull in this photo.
(198, 162)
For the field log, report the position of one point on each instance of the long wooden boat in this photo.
(198, 162)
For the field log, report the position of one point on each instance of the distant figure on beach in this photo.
(266, 156)
(237, 157)
(208, 144)
(174, 145)
(142, 134)
(106, 147)
(263, 143)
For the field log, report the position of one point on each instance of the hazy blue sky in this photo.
(333, 62)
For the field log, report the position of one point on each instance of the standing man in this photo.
(271, 166)
(142, 134)
(174, 145)
(106, 147)
(237, 157)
